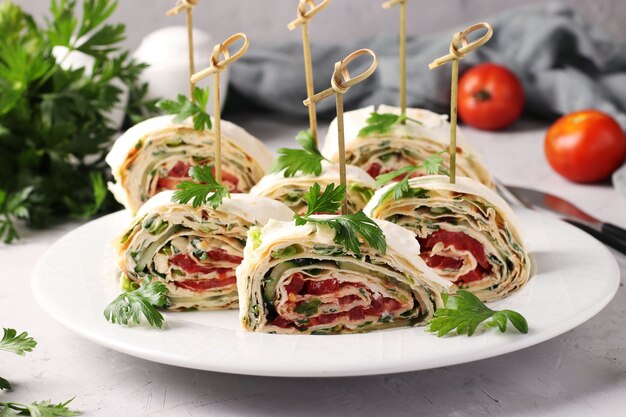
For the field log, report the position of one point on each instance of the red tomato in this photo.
(585, 146)
(490, 97)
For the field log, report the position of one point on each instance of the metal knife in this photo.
(608, 233)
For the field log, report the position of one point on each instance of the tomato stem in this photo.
(482, 95)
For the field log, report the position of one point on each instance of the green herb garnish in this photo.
(54, 132)
(307, 160)
(430, 165)
(348, 226)
(12, 342)
(383, 123)
(37, 409)
(205, 190)
(130, 306)
(463, 312)
(4, 384)
(184, 108)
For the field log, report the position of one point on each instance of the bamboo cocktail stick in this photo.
(188, 6)
(459, 47)
(306, 10)
(387, 5)
(340, 82)
(217, 66)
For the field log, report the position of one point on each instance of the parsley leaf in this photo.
(430, 165)
(205, 190)
(4, 384)
(93, 37)
(463, 312)
(307, 160)
(327, 202)
(131, 305)
(383, 123)
(12, 342)
(184, 108)
(348, 227)
(37, 409)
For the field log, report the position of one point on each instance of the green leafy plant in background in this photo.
(53, 127)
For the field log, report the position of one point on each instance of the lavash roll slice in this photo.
(297, 280)
(360, 187)
(467, 233)
(193, 251)
(156, 155)
(405, 144)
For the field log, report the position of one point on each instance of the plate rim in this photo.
(518, 342)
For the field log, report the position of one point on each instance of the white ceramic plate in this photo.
(574, 278)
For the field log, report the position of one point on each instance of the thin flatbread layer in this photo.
(468, 233)
(193, 251)
(297, 280)
(404, 144)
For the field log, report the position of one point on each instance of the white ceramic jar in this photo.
(165, 50)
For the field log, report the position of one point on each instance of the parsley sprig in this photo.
(130, 306)
(383, 123)
(184, 108)
(307, 160)
(37, 409)
(20, 344)
(54, 131)
(4, 384)
(17, 343)
(463, 312)
(348, 227)
(205, 190)
(91, 36)
(430, 165)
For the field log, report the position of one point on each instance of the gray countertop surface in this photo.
(580, 373)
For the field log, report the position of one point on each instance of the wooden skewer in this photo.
(188, 6)
(340, 82)
(459, 47)
(388, 5)
(306, 10)
(217, 66)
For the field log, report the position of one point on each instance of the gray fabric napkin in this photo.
(565, 64)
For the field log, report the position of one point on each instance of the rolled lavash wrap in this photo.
(193, 251)
(467, 233)
(156, 155)
(297, 280)
(406, 144)
(360, 187)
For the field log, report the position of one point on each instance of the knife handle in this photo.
(613, 230)
(606, 238)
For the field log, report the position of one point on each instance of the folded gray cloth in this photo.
(564, 63)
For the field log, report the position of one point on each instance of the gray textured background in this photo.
(266, 20)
